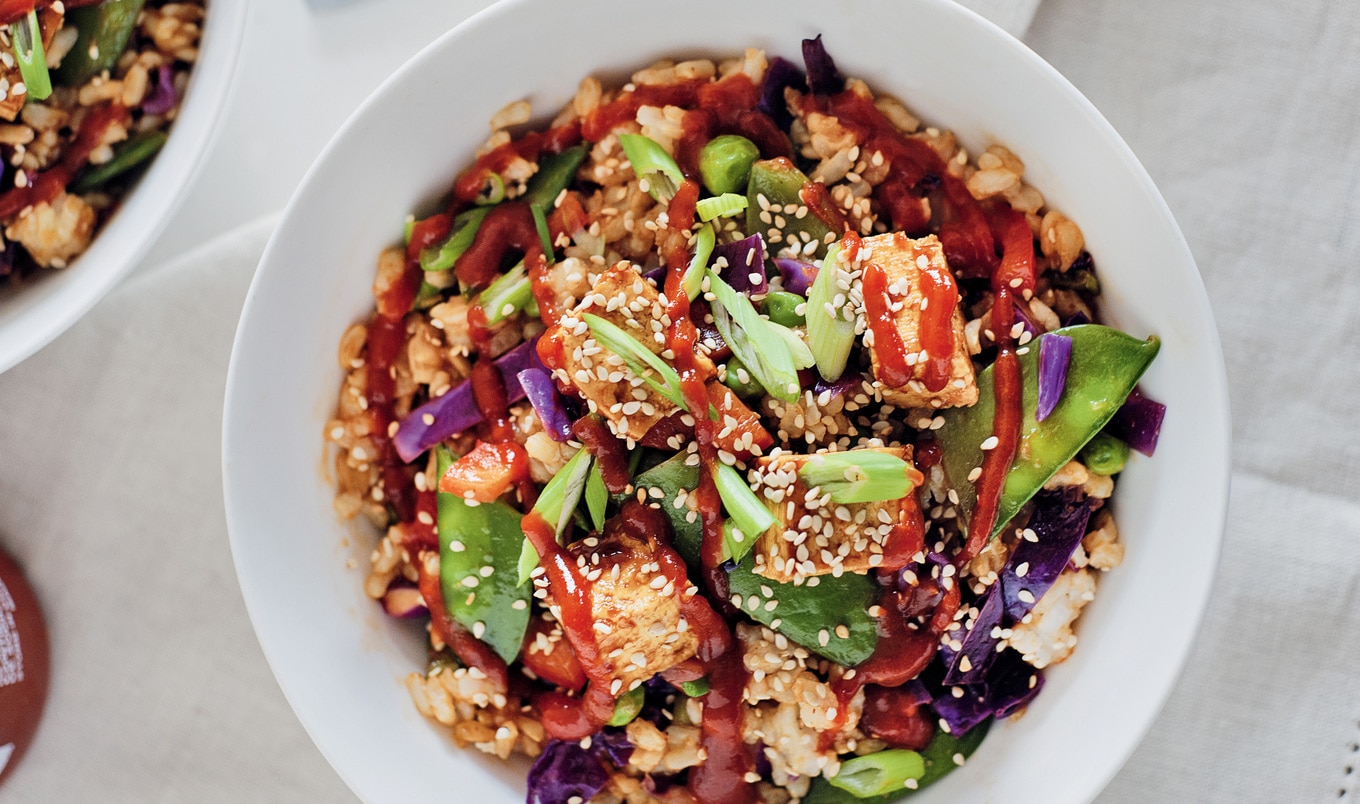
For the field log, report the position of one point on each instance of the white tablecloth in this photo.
(1246, 114)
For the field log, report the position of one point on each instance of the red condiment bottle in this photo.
(23, 665)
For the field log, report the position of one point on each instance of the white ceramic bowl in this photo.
(341, 662)
(36, 312)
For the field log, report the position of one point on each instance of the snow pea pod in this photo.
(780, 184)
(104, 33)
(1103, 370)
(555, 172)
(801, 613)
(126, 156)
(494, 607)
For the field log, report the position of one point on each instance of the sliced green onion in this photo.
(760, 348)
(879, 774)
(428, 296)
(652, 164)
(652, 369)
(510, 293)
(541, 224)
(721, 206)
(597, 497)
(693, 281)
(408, 229)
(628, 706)
(830, 335)
(798, 348)
(747, 513)
(859, 475)
(492, 195)
(28, 51)
(695, 689)
(555, 172)
(556, 505)
(465, 226)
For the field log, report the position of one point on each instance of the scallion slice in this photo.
(693, 282)
(493, 194)
(652, 369)
(597, 497)
(859, 476)
(544, 237)
(761, 349)
(695, 689)
(510, 293)
(628, 706)
(652, 164)
(556, 505)
(880, 774)
(830, 334)
(28, 51)
(465, 226)
(721, 206)
(798, 348)
(746, 512)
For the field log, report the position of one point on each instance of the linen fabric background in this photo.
(1247, 115)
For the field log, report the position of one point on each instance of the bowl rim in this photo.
(119, 247)
(1216, 494)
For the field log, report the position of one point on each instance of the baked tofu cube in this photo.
(638, 626)
(904, 261)
(814, 535)
(623, 298)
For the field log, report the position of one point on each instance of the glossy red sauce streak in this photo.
(12, 10)
(611, 454)
(471, 651)
(417, 535)
(471, 182)
(508, 226)
(892, 714)
(964, 232)
(927, 454)
(386, 336)
(1014, 276)
(427, 233)
(908, 536)
(904, 649)
(488, 389)
(606, 117)
(941, 296)
(721, 778)
(815, 197)
(52, 182)
(890, 351)
(567, 718)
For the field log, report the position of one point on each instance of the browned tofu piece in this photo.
(636, 606)
(904, 261)
(817, 536)
(623, 298)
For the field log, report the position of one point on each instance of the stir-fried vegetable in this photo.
(465, 226)
(830, 327)
(725, 163)
(556, 504)
(860, 476)
(754, 340)
(28, 52)
(128, 155)
(653, 165)
(104, 31)
(879, 774)
(750, 517)
(654, 371)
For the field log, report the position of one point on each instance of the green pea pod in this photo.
(782, 308)
(1103, 370)
(939, 759)
(104, 33)
(804, 614)
(725, 163)
(126, 156)
(555, 172)
(471, 539)
(780, 184)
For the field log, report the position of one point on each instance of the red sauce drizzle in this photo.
(891, 352)
(472, 181)
(52, 182)
(508, 226)
(891, 714)
(815, 197)
(386, 336)
(605, 118)
(610, 453)
(937, 325)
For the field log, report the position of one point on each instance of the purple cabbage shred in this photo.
(162, 97)
(565, 771)
(1055, 353)
(1058, 523)
(779, 75)
(822, 76)
(798, 275)
(745, 259)
(1139, 422)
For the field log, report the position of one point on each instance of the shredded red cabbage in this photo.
(822, 76)
(542, 392)
(779, 75)
(745, 270)
(1058, 522)
(979, 643)
(849, 382)
(565, 771)
(162, 97)
(1009, 685)
(1055, 352)
(457, 410)
(1139, 422)
(798, 275)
